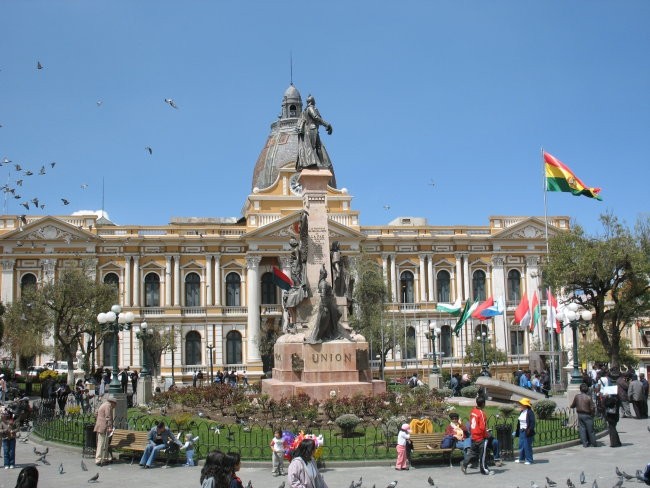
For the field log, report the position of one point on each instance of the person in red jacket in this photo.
(480, 435)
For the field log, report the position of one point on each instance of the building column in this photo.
(49, 269)
(177, 280)
(253, 300)
(466, 277)
(384, 267)
(127, 282)
(393, 278)
(168, 281)
(208, 280)
(423, 280)
(217, 279)
(459, 274)
(8, 280)
(136, 281)
(431, 295)
(498, 287)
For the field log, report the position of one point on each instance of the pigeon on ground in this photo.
(618, 484)
(42, 460)
(392, 484)
(352, 484)
(61, 469)
(550, 482)
(582, 478)
(249, 484)
(171, 102)
(623, 474)
(430, 481)
(83, 466)
(639, 475)
(594, 484)
(358, 483)
(569, 483)
(533, 485)
(23, 219)
(94, 479)
(281, 485)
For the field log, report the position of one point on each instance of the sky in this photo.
(440, 109)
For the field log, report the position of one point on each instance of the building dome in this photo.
(281, 147)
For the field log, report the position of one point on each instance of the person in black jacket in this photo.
(611, 415)
(526, 432)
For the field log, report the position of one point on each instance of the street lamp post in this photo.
(114, 321)
(574, 317)
(434, 334)
(210, 348)
(145, 334)
(484, 339)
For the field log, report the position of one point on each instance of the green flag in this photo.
(467, 312)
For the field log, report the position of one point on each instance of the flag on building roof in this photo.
(450, 308)
(466, 314)
(560, 178)
(522, 313)
(551, 312)
(281, 280)
(535, 312)
(478, 313)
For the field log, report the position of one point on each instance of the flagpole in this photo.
(545, 201)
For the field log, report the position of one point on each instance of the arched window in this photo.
(152, 290)
(233, 347)
(406, 282)
(112, 279)
(27, 280)
(193, 348)
(233, 290)
(269, 292)
(445, 341)
(443, 279)
(478, 285)
(192, 291)
(107, 350)
(514, 285)
(292, 111)
(410, 350)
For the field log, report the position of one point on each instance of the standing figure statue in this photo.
(326, 327)
(310, 150)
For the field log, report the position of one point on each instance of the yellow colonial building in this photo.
(210, 281)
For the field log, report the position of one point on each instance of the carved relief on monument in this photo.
(50, 233)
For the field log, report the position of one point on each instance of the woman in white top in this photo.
(402, 438)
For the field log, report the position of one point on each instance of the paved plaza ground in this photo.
(597, 463)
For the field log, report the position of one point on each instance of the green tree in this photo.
(66, 308)
(27, 325)
(160, 341)
(474, 353)
(594, 352)
(607, 274)
(368, 299)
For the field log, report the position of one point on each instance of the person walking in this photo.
(644, 402)
(403, 436)
(104, 429)
(277, 448)
(526, 432)
(586, 410)
(611, 416)
(134, 383)
(479, 434)
(622, 386)
(303, 472)
(8, 431)
(635, 396)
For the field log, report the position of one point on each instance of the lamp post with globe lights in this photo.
(210, 348)
(574, 317)
(115, 321)
(145, 334)
(484, 339)
(434, 334)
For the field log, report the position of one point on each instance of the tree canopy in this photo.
(607, 274)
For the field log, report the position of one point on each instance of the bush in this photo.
(392, 426)
(506, 410)
(442, 393)
(544, 409)
(469, 391)
(347, 423)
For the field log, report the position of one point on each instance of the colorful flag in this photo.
(281, 280)
(551, 312)
(478, 313)
(450, 308)
(522, 314)
(467, 313)
(561, 178)
(536, 312)
(496, 309)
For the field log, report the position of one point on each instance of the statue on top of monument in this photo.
(310, 150)
(326, 327)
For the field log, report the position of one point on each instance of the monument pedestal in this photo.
(144, 393)
(435, 380)
(339, 367)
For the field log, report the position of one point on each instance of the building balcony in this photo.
(193, 311)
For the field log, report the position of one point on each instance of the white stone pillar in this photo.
(423, 280)
(136, 281)
(253, 324)
(127, 282)
(217, 279)
(168, 282)
(459, 276)
(384, 267)
(430, 295)
(208, 280)
(393, 278)
(466, 277)
(177, 280)
(498, 286)
(8, 280)
(49, 269)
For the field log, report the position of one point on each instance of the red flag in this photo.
(281, 279)
(522, 314)
(477, 313)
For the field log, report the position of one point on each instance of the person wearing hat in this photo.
(104, 428)
(403, 437)
(526, 432)
(8, 432)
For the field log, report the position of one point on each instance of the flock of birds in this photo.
(42, 458)
(14, 189)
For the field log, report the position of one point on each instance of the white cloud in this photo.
(99, 213)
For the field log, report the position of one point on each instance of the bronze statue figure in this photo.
(326, 327)
(310, 150)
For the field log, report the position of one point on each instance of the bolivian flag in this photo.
(561, 178)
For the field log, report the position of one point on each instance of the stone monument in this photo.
(318, 354)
